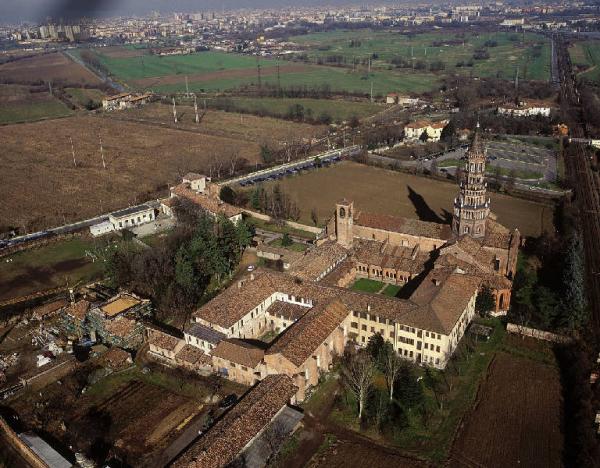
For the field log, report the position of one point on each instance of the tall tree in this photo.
(358, 371)
(391, 364)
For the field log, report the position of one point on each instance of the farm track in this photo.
(585, 182)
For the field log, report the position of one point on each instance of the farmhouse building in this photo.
(125, 101)
(131, 217)
(199, 190)
(529, 108)
(433, 130)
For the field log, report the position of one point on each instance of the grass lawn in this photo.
(295, 246)
(23, 111)
(49, 267)
(338, 110)
(367, 285)
(391, 290)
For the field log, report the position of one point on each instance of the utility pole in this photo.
(102, 152)
(187, 88)
(174, 111)
(50, 88)
(196, 109)
(73, 152)
(371, 90)
(369, 65)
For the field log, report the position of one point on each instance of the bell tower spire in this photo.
(471, 206)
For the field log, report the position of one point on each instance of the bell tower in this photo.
(344, 222)
(472, 207)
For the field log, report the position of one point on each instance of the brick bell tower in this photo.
(344, 222)
(472, 207)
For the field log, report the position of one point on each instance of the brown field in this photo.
(225, 124)
(218, 75)
(516, 420)
(54, 66)
(388, 192)
(41, 187)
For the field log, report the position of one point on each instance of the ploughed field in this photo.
(516, 419)
(42, 187)
(20, 103)
(53, 67)
(388, 192)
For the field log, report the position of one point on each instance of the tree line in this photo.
(193, 260)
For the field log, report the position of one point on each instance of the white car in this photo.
(250, 268)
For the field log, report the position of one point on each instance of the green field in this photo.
(149, 66)
(49, 267)
(219, 71)
(338, 79)
(586, 56)
(29, 111)
(338, 110)
(531, 53)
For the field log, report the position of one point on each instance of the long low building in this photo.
(263, 411)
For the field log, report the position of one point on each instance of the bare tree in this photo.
(358, 371)
(391, 366)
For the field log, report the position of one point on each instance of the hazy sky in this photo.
(34, 10)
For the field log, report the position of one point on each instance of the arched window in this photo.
(342, 213)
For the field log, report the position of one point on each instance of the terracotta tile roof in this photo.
(192, 355)
(238, 352)
(121, 327)
(419, 124)
(413, 227)
(162, 340)
(116, 358)
(388, 256)
(231, 305)
(443, 296)
(207, 202)
(78, 310)
(343, 269)
(193, 176)
(223, 443)
(301, 340)
(49, 308)
(317, 260)
(287, 311)
(496, 235)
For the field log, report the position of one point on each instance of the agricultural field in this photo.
(280, 107)
(138, 415)
(49, 267)
(507, 51)
(224, 124)
(219, 71)
(513, 422)
(585, 56)
(389, 192)
(25, 104)
(81, 96)
(54, 67)
(41, 186)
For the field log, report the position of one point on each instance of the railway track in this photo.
(585, 182)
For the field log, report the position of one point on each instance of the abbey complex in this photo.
(315, 314)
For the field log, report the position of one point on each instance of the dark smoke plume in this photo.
(75, 9)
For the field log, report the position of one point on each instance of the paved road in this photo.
(73, 227)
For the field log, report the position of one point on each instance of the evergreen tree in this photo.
(574, 306)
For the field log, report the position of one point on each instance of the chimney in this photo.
(251, 276)
(436, 281)
(368, 307)
(240, 284)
